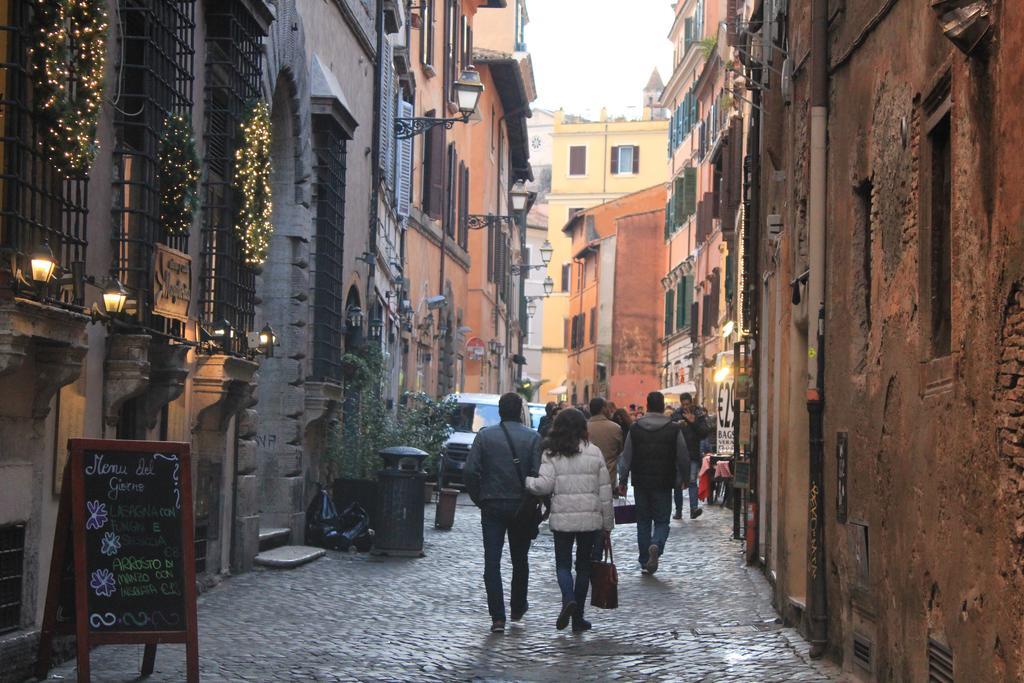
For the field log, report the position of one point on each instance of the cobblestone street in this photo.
(703, 617)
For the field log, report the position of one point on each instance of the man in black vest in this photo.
(655, 451)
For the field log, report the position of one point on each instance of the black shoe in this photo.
(518, 616)
(678, 515)
(694, 514)
(563, 617)
(581, 625)
(498, 626)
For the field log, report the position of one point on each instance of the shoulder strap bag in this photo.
(528, 516)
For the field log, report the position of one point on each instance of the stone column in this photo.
(223, 388)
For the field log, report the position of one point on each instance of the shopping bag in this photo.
(704, 486)
(625, 511)
(604, 579)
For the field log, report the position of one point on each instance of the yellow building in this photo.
(592, 162)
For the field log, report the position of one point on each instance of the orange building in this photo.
(614, 319)
(459, 173)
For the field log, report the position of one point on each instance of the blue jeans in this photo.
(495, 518)
(653, 507)
(563, 567)
(692, 488)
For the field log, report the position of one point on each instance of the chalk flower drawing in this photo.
(111, 543)
(102, 582)
(97, 514)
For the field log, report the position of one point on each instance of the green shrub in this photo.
(367, 426)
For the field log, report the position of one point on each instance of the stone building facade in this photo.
(255, 416)
(920, 498)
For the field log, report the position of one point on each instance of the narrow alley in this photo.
(704, 616)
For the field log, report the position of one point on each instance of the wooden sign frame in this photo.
(71, 514)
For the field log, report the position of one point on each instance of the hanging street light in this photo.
(546, 251)
(467, 95)
(519, 196)
(531, 308)
(467, 91)
(549, 285)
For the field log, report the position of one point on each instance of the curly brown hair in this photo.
(568, 430)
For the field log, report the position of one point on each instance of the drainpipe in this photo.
(375, 177)
(816, 587)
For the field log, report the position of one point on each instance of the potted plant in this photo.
(351, 461)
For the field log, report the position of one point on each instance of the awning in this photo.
(558, 390)
(684, 388)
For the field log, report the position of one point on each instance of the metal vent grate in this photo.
(940, 662)
(12, 555)
(862, 651)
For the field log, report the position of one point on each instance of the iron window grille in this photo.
(154, 83)
(37, 202)
(12, 560)
(233, 71)
(329, 148)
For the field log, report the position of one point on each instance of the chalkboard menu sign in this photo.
(124, 533)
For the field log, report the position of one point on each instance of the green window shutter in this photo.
(730, 276)
(680, 304)
(678, 213)
(689, 203)
(669, 310)
(668, 205)
(688, 298)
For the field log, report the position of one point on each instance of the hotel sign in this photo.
(172, 282)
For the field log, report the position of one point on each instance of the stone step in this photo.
(273, 537)
(289, 556)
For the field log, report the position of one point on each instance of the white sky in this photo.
(593, 53)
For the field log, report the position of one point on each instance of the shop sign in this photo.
(172, 283)
(726, 428)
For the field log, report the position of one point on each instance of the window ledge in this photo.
(938, 375)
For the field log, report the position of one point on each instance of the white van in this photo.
(473, 412)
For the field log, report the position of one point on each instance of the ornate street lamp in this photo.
(531, 308)
(549, 285)
(114, 296)
(43, 262)
(268, 340)
(467, 94)
(546, 251)
(518, 197)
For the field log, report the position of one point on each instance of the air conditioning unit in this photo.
(774, 226)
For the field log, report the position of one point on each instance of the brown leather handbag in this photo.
(604, 579)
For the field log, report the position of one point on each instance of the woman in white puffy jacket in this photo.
(574, 474)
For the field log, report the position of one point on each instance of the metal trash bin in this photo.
(400, 496)
(444, 513)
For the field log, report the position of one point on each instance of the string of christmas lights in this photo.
(252, 179)
(68, 52)
(179, 176)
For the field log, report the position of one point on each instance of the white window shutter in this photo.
(404, 189)
(387, 116)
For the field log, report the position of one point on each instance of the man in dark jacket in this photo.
(544, 426)
(495, 483)
(655, 452)
(696, 426)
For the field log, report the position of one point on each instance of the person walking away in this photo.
(501, 457)
(545, 422)
(609, 438)
(574, 474)
(696, 426)
(621, 417)
(655, 454)
(605, 434)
